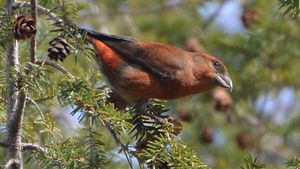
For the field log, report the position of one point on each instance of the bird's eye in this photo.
(218, 67)
(217, 64)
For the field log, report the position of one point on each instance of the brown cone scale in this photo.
(184, 115)
(207, 135)
(222, 100)
(244, 141)
(59, 49)
(24, 27)
(249, 17)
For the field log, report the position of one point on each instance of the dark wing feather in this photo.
(153, 57)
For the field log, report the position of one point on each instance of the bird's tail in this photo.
(105, 37)
(59, 47)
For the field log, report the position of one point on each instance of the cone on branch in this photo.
(207, 135)
(249, 17)
(244, 141)
(184, 115)
(24, 27)
(59, 49)
(193, 45)
(222, 100)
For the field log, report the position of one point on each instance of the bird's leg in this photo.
(141, 107)
(117, 100)
(145, 108)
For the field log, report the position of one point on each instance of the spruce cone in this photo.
(193, 45)
(185, 115)
(249, 17)
(59, 49)
(222, 100)
(24, 27)
(207, 135)
(244, 141)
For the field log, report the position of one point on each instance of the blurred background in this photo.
(260, 47)
(257, 42)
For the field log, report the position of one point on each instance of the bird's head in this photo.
(212, 69)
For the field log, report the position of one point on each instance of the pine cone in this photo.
(193, 45)
(24, 27)
(185, 115)
(207, 135)
(244, 141)
(222, 100)
(249, 17)
(59, 49)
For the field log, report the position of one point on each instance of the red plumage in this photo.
(139, 70)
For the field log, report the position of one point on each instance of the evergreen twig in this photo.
(10, 163)
(36, 106)
(55, 65)
(40, 9)
(30, 146)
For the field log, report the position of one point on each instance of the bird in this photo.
(139, 70)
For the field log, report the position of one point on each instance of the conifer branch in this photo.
(4, 144)
(36, 106)
(30, 146)
(115, 135)
(55, 65)
(40, 9)
(119, 142)
(12, 163)
(15, 102)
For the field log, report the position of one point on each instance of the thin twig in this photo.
(11, 162)
(30, 146)
(156, 9)
(117, 139)
(40, 9)
(214, 15)
(4, 144)
(36, 106)
(55, 65)
(115, 135)
(33, 9)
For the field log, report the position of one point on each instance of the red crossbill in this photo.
(139, 70)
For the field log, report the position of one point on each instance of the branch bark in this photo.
(36, 106)
(4, 144)
(10, 163)
(14, 128)
(117, 139)
(14, 155)
(30, 146)
(56, 66)
(40, 9)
